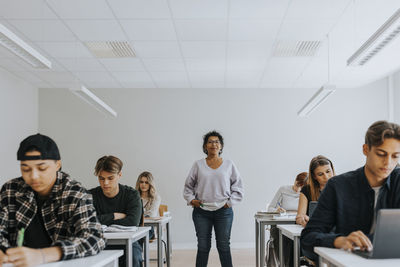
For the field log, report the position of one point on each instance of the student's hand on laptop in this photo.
(119, 215)
(302, 219)
(352, 241)
(23, 256)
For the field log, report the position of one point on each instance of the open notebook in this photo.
(118, 228)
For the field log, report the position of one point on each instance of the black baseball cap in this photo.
(45, 145)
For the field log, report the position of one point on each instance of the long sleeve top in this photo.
(126, 201)
(68, 216)
(214, 185)
(151, 208)
(286, 197)
(347, 203)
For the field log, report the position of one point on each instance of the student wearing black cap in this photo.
(55, 212)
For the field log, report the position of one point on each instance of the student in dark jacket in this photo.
(116, 203)
(346, 213)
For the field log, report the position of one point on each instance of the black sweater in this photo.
(126, 201)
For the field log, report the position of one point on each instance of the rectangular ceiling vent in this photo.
(110, 49)
(296, 48)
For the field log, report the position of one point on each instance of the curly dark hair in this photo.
(208, 135)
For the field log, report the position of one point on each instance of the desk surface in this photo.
(161, 220)
(342, 258)
(101, 259)
(270, 219)
(291, 230)
(126, 234)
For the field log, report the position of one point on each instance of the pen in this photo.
(20, 237)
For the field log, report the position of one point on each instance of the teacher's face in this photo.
(213, 146)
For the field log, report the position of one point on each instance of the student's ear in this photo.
(120, 174)
(366, 149)
(58, 164)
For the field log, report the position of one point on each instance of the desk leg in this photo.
(262, 245)
(129, 255)
(296, 252)
(115, 263)
(159, 245)
(257, 243)
(146, 251)
(168, 252)
(281, 248)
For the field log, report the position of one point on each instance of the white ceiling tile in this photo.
(160, 49)
(5, 53)
(201, 85)
(81, 64)
(171, 79)
(94, 76)
(161, 64)
(139, 9)
(205, 49)
(13, 64)
(149, 30)
(199, 9)
(109, 84)
(138, 85)
(27, 76)
(65, 49)
(238, 64)
(97, 30)
(201, 30)
(258, 9)
(243, 79)
(252, 30)
(197, 77)
(22, 9)
(307, 30)
(284, 71)
(55, 76)
(44, 30)
(316, 9)
(132, 76)
(122, 64)
(205, 64)
(249, 49)
(81, 9)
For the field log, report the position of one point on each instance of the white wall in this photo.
(161, 130)
(18, 119)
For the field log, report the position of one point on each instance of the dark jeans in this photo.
(203, 222)
(136, 251)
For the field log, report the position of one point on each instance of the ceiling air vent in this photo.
(110, 49)
(296, 48)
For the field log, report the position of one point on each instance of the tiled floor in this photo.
(187, 258)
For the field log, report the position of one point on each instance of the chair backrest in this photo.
(162, 209)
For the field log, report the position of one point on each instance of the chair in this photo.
(162, 209)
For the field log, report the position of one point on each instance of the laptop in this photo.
(387, 236)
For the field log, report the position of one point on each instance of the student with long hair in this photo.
(151, 200)
(320, 171)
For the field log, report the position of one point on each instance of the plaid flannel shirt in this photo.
(69, 216)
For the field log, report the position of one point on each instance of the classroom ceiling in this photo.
(200, 43)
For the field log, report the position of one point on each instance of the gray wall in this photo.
(161, 130)
(18, 119)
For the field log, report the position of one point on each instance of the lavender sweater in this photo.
(214, 186)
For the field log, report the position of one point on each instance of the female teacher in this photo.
(212, 187)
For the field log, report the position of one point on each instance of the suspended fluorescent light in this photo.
(13, 43)
(90, 98)
(317, 99)
(384, 35)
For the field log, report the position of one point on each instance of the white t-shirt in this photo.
(286, 197)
